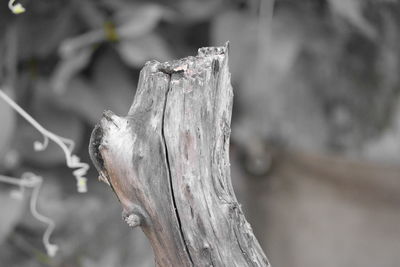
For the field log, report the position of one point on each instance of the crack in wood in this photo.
(169, 172)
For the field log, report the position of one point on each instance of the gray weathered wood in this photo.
(168, 163)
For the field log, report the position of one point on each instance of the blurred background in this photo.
(315, 145)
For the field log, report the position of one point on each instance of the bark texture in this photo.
(168, 163)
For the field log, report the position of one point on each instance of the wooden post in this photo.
(168, 163)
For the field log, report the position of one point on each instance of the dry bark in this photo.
(168, 163)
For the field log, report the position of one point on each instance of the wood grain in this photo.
(168, 163)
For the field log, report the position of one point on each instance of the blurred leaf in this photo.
(90, 13)
(113, 83)
(135, 20)
(39, 35)
(11, 211)
(112, 88)
(79, 43)
(352, 11)
(135, 52)
(198, 10)
(79, 98)
(70, 66)
(61, 123)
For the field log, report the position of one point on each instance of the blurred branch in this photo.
(9, 65)
(129, 23)
(264, 30)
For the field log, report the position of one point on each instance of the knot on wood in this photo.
(132, 220)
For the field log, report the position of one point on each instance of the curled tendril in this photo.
(35, 182)
(67, 145)
(16, 8)
(38, 146)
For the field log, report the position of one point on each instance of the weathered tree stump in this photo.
(168, 163)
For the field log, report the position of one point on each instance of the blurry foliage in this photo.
(319, 75)
(322, 76)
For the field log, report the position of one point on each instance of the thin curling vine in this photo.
(33, 181)
(66, 145)
(30, 180)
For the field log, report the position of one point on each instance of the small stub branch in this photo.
(168, 163)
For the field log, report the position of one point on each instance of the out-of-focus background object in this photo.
(316, 124)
